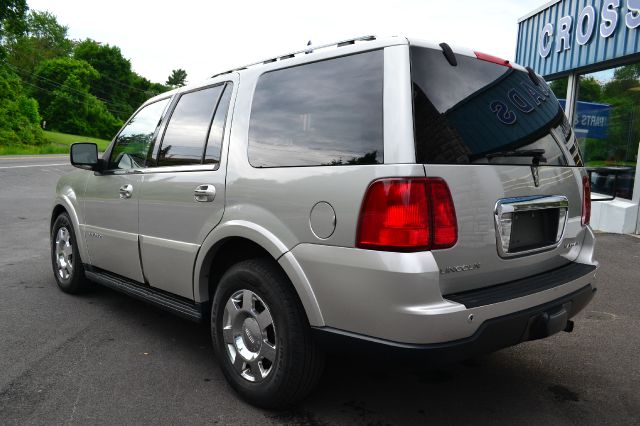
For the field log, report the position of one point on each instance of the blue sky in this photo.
(205, 37)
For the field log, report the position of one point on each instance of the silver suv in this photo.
(375, 193)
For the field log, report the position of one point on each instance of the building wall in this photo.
(573, 54)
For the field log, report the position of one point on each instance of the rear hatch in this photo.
(498, 137)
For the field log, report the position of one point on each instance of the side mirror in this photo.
(84, 155)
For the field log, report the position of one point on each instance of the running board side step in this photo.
(167, 302)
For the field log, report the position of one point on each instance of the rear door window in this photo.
(478, 112)
(326, 113)
(214, 141)
(186, 134)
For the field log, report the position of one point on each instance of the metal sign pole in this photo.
(636, 191)
(572, 97)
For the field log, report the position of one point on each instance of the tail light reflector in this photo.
(586, 200)
(407, 214)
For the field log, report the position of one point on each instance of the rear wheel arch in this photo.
(222, 256)
(217, 257)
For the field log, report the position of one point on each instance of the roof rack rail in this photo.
(307, 50)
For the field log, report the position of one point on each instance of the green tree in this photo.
(52, 74)
(66, 102)
(559, 87)
(13, 15)
(628, 72)
(85, 88)
(116, 78)
(624, 118)
(44, 38)
(178, 78)
(19, 117)
(590, 89)
(74, 110)
(142, 89)
(624, 124)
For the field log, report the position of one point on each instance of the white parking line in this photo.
(33, 157)
(35, 165)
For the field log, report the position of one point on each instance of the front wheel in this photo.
(65, 257)
(262, 337)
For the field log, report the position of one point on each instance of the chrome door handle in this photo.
(204, 193)
(126, 191)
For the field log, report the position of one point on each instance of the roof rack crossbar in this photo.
(306, 51)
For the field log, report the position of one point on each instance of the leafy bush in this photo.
(19, 118)
(74, 110)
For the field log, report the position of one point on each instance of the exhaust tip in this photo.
(569, 327)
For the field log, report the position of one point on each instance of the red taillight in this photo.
(407, 214)
(493, 59)
(445, 225)
(586, 200)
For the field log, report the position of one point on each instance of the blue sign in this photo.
(570, 34)
(591, 118)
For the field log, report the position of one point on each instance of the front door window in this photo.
(134, 141)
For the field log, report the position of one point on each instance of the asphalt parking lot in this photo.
(103, 358)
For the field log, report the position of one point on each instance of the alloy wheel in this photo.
(249, 335)
(64, 253)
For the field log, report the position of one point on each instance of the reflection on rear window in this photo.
(477, 108)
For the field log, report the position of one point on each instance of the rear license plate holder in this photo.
(533, 229)
(526, 225)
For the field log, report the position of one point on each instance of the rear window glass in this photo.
(324, 113)
(478, 112)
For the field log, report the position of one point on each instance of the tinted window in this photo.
(214, 142)
(466, 112)
(188, 127)
(323, 113)
(134, 141)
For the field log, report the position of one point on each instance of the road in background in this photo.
(103, 358)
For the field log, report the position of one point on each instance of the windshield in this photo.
(479, 112)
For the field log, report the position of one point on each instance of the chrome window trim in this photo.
(176, 169)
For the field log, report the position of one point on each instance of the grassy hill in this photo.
(59, 143)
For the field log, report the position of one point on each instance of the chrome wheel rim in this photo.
(249, 335)
(64, 253)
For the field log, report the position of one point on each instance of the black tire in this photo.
(298, 362)
(76, 281)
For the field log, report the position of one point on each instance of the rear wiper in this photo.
(537, 154)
